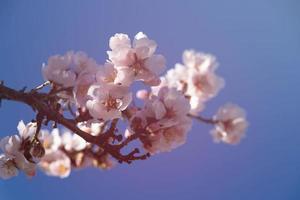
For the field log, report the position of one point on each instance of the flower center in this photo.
(111, 103)
(137, 67)
(201, 83)
(62, 169)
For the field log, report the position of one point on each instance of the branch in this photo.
(203, 119)
(40, 104)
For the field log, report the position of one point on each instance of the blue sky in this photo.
(257, 44)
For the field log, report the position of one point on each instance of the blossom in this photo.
(93, 127)
(57, 164)
(203, 81)
(51, 141)
(73, 142)
(14, 148)
(136, 61)
(83, 82)
(64, 70)
(199, 61)
(107, 74)
(231, 124)
(195, 79)
(108, 101)
(11, 147)
(26, 131)
(204, 86)
(25, 165)
(164, 119)
(169, 138)
(7, 167)
(177, 77)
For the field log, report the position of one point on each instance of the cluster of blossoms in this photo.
(99, 95)
(52, 152)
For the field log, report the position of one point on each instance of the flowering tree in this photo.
(89, 101)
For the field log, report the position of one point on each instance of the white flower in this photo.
(197, 104)
(73, 142)
(7, 167)
(119, 40)
(93, 127)
(57, 164)
(136, 61)
(108, 101)
(231, 124)
(64, 70)
(165, 121)
(23, 164)
(26, 131)
(10, 145)
(51, 141)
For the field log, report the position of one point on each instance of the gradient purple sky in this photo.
(257, 44)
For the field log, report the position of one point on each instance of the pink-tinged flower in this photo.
(178, 77)
(136, 61)
(199, 61)
(204, 85)
(83, 82)
(203, 82)
(195, 79)
(73, 142)
(57, 164)
(7, 167)
(169, 103)
(108, 101)
(231, 124)
(107, 74)
(164, 120)
(167, 139)
(64, 70)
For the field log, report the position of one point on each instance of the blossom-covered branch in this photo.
(85, 101)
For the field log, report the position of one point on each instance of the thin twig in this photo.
(41, 86)
(203, 119)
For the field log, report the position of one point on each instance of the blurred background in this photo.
(257, 44)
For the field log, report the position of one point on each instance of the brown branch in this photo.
(40, 104)
(128, 140)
